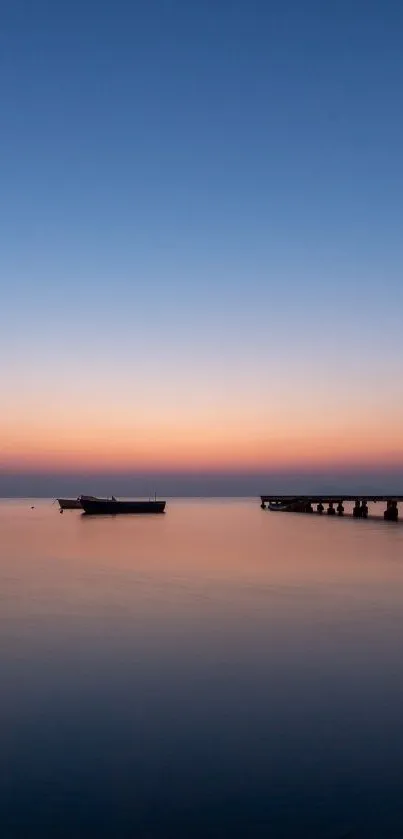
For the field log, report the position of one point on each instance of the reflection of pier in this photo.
(334, 503)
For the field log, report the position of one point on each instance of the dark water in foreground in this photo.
(216, 672)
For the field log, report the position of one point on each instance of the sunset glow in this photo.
(99, 447)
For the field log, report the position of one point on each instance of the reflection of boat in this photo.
(113, 507)
(69, 503)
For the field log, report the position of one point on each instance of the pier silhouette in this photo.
(334, 503)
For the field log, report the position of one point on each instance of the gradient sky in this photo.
(201, 251)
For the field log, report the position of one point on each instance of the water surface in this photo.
(217, 671)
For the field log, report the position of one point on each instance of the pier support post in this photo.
(340, 509)
(320, 508)
(364, 510)
(357, 509)
(330, 510)
(391, 513)
(263, 505)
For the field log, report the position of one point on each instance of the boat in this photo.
(114, 507)
(295, 506)
(69, 503)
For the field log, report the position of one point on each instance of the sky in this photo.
(201, 240)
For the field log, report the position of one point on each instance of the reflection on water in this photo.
(218, 671)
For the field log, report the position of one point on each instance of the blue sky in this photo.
(211, 194)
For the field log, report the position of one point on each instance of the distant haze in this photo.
(52, 484)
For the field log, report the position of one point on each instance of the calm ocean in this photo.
(219, 671)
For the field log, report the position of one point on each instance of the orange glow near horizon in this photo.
(116, 447)
(199, 422)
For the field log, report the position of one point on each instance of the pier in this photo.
(333, 503)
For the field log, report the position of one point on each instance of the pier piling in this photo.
(364, 510)
(391, 513)
(357, 509)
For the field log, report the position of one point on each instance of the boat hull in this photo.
(293, 507)
(105, 507)
(69, 503)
